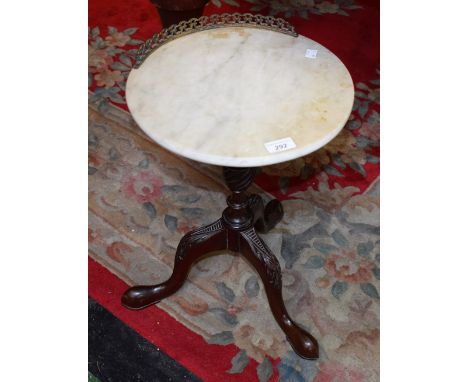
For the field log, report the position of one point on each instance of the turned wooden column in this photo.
(174, 11)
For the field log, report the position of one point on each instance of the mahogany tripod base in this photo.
(235, 231)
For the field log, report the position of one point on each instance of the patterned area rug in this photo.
(143, 199)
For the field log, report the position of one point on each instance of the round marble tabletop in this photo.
(240, 96)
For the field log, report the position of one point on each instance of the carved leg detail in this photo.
(252, 247)
(265, 218)
(236, 231)
(193, 245)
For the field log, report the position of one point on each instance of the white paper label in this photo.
(280, 145)
(311, 53)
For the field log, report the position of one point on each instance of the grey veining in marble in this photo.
(218, 96)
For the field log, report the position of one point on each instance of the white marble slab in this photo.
(218, 96)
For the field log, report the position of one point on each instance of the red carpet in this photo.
(188, 348)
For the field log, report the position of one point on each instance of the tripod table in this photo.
(238, 91)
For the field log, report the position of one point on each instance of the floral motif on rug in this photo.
(110, 59)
